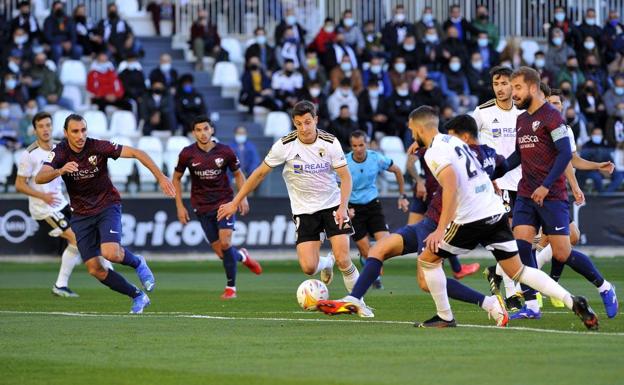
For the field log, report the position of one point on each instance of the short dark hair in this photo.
(500, 71)
(462, 124)
(529, 75)
(201, 119)
(73, 118)
(358, 134)
(40, 116)
(423, 112)
(556, 92)
(303, 107)
(545, 88)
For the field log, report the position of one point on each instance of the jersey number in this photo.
(471, 162)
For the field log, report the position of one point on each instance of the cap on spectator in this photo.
(16, 53)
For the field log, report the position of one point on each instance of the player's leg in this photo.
(418, 207)
(433, 274)
(226, 227)
(308, 244)
(526, 222)
(340, 249)
(58, 224)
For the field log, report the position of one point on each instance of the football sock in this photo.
(118, 283)
(69, 259)
(556, 268)
(542, 282)
(526, 256)
(130, 259)
(511, 288)
(581, 263)
(323, 263)
(240, 257)
(229, 264)
(106, 264)
(372, 268)
(487, 302)
(350, 276)
(455, 265)
(461, 292)
(604, 287)
(544, 256)
(436, 282)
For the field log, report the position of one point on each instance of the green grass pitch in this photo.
(190, 336)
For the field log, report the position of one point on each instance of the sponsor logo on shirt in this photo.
(496, 132)
(84, 174)
(207, 174)
(313, 168)
(528, 141)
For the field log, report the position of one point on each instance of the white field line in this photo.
(271, 319)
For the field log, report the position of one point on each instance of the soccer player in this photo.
(365, 208)
(312, 158)
(410, 239)
(96, 204)
(472, 214)
(46, 202)
(208, 163)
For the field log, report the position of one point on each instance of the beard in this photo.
(525, 103)
(420, 142)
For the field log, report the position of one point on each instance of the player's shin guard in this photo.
(540, 281)
(69, 259)
(581, 263)
(350, 276)
(229, 264)
(461, 292)
(436, 282)
(556, 268)
(372, 269)
(511, 287)
(526, 256)
(118, 283)
(130, 259)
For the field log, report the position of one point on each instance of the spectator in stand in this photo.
(489, 55)
(426, 22)
(399, 72)
(453, 46)
(429, 94)
(342, 127)
(421, 75)
(245, 150)
(287, 84)
(571, 73)
(399, 106)
(569, 99)
(614, 95)
(290, 49)
(465, 30)
(165, 73)
(60, 33)
(343, 96)
(46, 84)
(9, 126)
(26, 134)
(447, 113)
(594, 72)
(456, 88)
(324, 37)
(561, 22)
(539, 64)
(290, 22)
(13, 90)
(161, 10)
(576, 124)
(104, 85)
(512, 54)
(373, 44)
(430, 51)
(558, 52)
(189, 103)
(377, 73)
(352, 32)
(312, 70)
(482, 23)
(256, 87)
(14, 63)
(346, 71)
(314, 93)
(116, 35)
(479, 79)
(19, 44)
(157, 110)
(588, 48)
(205, 40)
(613, 37)
(395, 31)
(132, 79)
(26, 21)
(372, 108)
(262, 50)
(590, 28)
(614, 130)
(337, 51)
(591, 105)
(598, 150)
(84, 31)
(409, 52)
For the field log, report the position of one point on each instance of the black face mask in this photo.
(564, 91)
(254, 67)
(570, 120)
(288, 72)
(81, 19)
(112, 15)
(158, 91)
(25, 14)
(59, 13)
(483, 17)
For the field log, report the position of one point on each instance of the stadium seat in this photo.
(388, 181)
(277, 124)
(529, 48)
(175, 144)
(127, 7)
(58, 120)
(74, 94)
(153, 146)
(97, 125)
(225, 75)
(234, 49)
(74, 73)
(124, 123)
(6, 165)
(391, 144)
(122, 168)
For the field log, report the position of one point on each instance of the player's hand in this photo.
(341, 216)
(351, 212)
(243, 207)
(607, 167)
(413, 148)
(68, 168)
(50, 198)
(403, 204)
(539, 195)
(579, 197)
(226, 211)
(433, 241)
(166, 186)
(421, 191)
(497, 189)
(183, 215)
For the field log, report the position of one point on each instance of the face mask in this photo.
(261, 39)
(570, 120)
(455, 66)
(400, 67)
(291, 40)
(409, 47)
(165, 67)
(402, 92)
(59, 13)
(22, 39)
(557, 41)
(291, 20)
(478, 65)
(348, 22)
(560, 16)
(572, 68)
(597, 139)
(373, 92)
(589, 89)
(540, 63)
(11, 84)
(158, 91)
(313, 62)
(254, 67)
(240, 139)
(187, 88)
(112, 15)
(483, 17)
(431, 38)
(589, 45)
(31, 111)
(344, 92)
(4, 113)
(427, 18)
(590, 21)
(346, 67)
(483, 42)
(614, 22)
(329, 28)
(399, 17)
(456, 19)
(566, 91)
(619, 91)
(370, 37)
(620, 113)
(315, 92)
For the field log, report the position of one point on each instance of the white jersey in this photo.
(497, 129)
(30, 163)
(572, 139)
(475, 193)
(309, 171)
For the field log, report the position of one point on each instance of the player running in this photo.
(208, 163)
(96, 204)
(312, 159)
(46, 202)
(365, 208)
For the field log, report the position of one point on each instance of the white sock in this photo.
(69, 259)
(541, 282)
(544, 256)
(106, 263)
(350, 276)
(604, 287)
(436, 281)
(533, 305)
(510, 285)
(243, 256)
(322, 263)
(487, 302)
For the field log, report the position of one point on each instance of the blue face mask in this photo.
(619, 91)
(187, 88)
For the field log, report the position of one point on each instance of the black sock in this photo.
(229, 264)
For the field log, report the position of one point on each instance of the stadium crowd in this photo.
(358, 76)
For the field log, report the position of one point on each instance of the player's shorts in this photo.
(553, 216)
(310, 226)
(414, 235)
(493, 233)
(418, 206)
(57, 222)
(368, 219)
(211, 225)
(509, 201)
(93, 230)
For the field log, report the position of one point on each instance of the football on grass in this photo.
(310, 292)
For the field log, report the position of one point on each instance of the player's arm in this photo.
(21, 185)
(564, 155)
(448, 181)
(583, 164)
(579, 197)
(141, 156)
(345, 192)
(182, 212)
(419, 182)
(48, 173)
(228, 209)
(239, 180)
(403, 202)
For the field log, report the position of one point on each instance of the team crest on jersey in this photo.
(51, 156)
(219, 162)
(536, 125)
(321, 152)
(93, 159)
